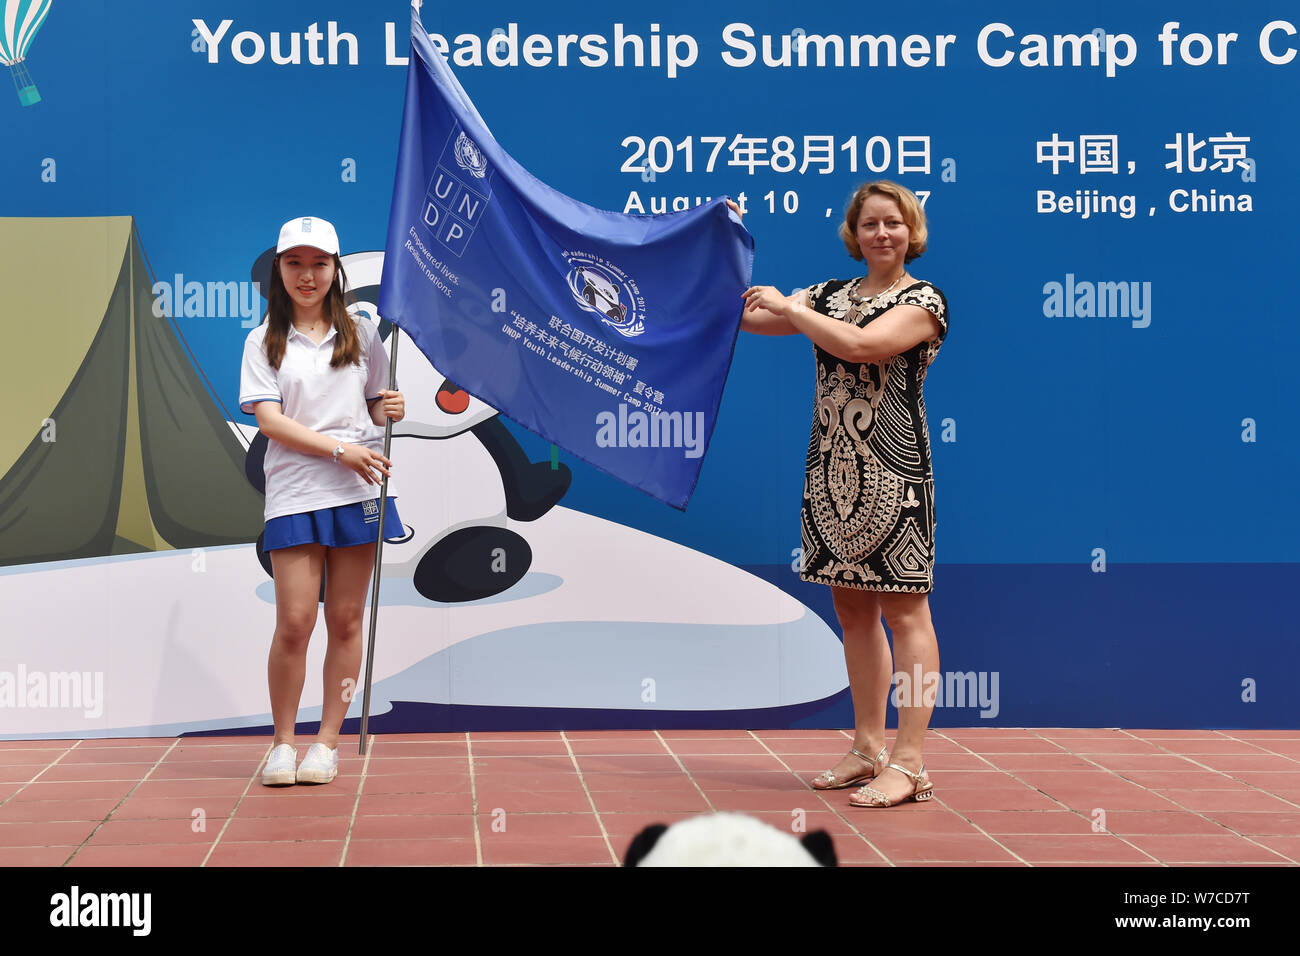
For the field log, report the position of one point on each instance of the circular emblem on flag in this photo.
(469, 158)
(601, 287)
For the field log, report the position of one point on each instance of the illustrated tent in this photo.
(109, 441)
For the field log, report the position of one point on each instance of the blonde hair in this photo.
(908, 205)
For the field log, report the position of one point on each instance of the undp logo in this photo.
(469, 157)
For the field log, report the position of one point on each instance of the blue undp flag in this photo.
(607, 334)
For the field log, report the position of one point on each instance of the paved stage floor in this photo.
(1003, 796)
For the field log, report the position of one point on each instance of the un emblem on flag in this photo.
(469, 157)
(605, 289)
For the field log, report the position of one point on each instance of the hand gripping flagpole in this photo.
(379, 553)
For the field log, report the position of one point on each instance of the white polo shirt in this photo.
(327, 400)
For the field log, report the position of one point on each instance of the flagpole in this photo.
(379, 553)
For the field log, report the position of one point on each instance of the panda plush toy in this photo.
(727, 839)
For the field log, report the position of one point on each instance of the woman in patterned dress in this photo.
(868, 502)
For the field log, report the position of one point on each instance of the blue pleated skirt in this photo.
(338, 527)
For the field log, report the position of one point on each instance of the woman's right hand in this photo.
(767, 311)
(361, 460)
(770, 299)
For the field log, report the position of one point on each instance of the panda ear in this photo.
(261, 271)
(820, 847)
(643, 843)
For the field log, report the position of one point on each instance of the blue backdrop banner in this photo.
(1110, 195)
(608, 334)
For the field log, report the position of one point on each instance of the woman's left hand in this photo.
(394, 405)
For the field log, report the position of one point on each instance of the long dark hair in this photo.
(279, 318)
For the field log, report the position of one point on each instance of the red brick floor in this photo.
(1014, 797)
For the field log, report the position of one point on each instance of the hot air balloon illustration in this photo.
(22, 18)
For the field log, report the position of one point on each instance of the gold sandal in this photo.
(922, 789)
(858, 778)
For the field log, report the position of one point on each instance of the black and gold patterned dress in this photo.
(868, 498)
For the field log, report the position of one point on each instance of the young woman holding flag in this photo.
(316, 378)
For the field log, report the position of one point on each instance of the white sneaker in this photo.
(320, 765)
(279, 771)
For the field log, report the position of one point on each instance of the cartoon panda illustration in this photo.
(602, 295)
(462, 473)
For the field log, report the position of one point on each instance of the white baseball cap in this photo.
(308, 231)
